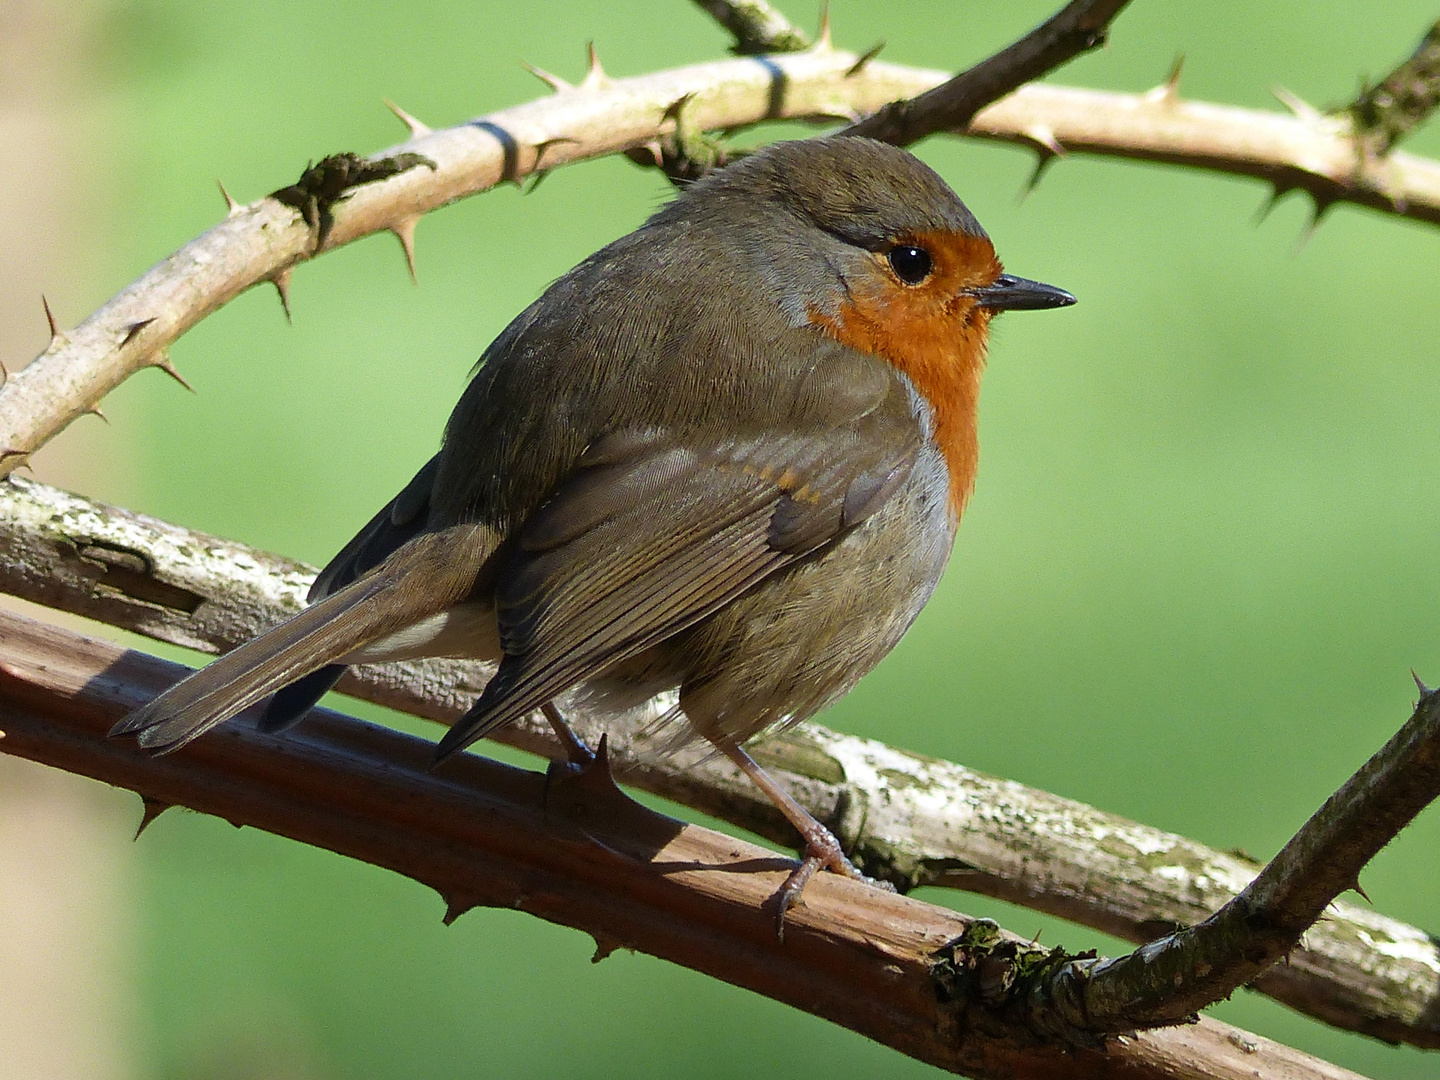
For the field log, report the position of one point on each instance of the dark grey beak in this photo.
(1010, 293)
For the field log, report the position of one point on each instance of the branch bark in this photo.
(263, 241)
(909, 819)
(575, 851)
(1077, 28)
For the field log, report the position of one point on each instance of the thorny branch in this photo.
(909, 819)
(1385, 113)
(263, 241)
(573, 850)
(1169, 979)
(1079, 27)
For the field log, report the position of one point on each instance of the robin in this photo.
(726, 455)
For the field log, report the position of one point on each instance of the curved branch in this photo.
(573, 850)
(907, 818)
(263, 241)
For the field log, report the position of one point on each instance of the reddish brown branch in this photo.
(576, 852)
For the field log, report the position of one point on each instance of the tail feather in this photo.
(242, 677)
(427, 575)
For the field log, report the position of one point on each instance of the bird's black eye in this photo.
(911, 264)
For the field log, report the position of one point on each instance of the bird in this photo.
(725, 456)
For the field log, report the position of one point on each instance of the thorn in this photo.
(231, 206)
(1047, 151)
(151, 809)
(864, 58)
(1320, 206)
(823, 44)
(281, 280)
(133, 330)
(537, 175)
(404, 231)
(418, 130)
(1168, 92)
(4, 373)
(57, 339)
(1301, 109)
(595, 77)
(162, 361)
(1277, 192)
(1425, 691)
(605, 946)
(647, 155)
(1356, 886)
(10, 451)
(94, 410)
(553, 81)
(455, 906)
(545, 144)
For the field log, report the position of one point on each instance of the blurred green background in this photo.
(1199, 564)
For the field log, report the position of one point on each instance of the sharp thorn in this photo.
(545, 144)
(553, 81)
(94, 410)
(163, 362)
(132, 331)
(1366, 896)
(455, 906)
(231, 206)
(152, 809)
(605, 946)
(864, 58)
(536, 177)
(595, 77)
(1168, 92)
(10, 451)
(1299, 108)
(281, 280)
(1425, 691)
(823, 44)
(1044, 158)
(647, 155)
(417, 128)
(4, 373)
(404, 231)
(1044, 138)
(57, 339)
(1320, 206)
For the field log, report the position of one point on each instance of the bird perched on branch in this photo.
(725, 455)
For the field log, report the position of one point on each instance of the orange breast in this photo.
(936, 335)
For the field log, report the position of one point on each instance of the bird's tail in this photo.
(429, 574)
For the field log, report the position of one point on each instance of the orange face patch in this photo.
(935, 333)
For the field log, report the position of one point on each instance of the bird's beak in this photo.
(1010, 293)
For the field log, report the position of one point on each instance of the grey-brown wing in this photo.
(649, 536)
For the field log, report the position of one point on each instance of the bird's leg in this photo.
(576, 752)
(821, 847)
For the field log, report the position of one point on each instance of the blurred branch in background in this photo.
(1385, 113)
(66, 868)
(572, 849)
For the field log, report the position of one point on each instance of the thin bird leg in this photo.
(821, 847)
(575, 749)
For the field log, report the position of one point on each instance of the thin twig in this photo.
(575, 851)
(758, 27)
(1385, 113)
(1165, 981)
(1077, 28)
(909, 819)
